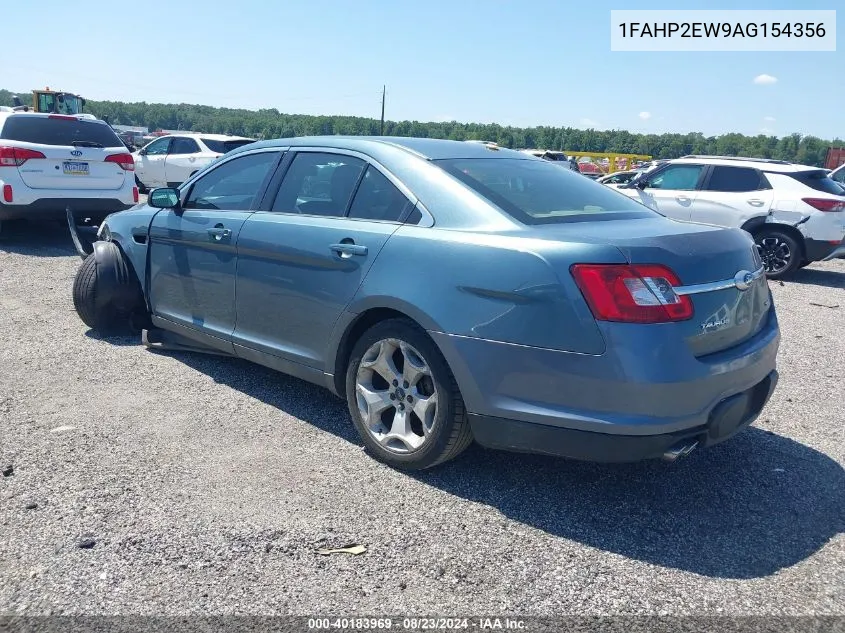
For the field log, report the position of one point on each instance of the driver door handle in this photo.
(682, 198)
(754, 202)
(219, 233)
(348, 250)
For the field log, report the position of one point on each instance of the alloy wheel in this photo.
(775, 253)
(396, 396)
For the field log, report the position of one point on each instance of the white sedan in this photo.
(170, 160)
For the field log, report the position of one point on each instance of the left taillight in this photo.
(135, 194)
(632, 293)
(828, 205)
(126, 162)
(17, 156)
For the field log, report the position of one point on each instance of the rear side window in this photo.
(818, 180)
(378, 199)
(49, 131)
(538, 192)
(183, 146)
(319, 184)
(735, 179)
(221, 147)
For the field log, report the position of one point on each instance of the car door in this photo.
(731, 195)
(150, 167)
(181, 160)
(303, 259)
(672, 189)
(192, 250)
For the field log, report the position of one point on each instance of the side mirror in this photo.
(164, 198)
(641, 184)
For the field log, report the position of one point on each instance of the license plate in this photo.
(76, 168)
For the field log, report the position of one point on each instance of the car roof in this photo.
(211, 137)
(427, 148)
(45, 115)
(763, 164)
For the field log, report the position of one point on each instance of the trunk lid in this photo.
(74, 150)
(72, 167)
(698, 254)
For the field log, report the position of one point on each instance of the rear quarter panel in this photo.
(486, 286)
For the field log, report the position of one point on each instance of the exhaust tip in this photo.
(679, 450)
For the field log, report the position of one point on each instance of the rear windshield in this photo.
(537, 192)
(818, 180)
(221, 147)
(49, 131)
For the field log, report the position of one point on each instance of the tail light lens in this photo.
(17, 156)
(135, 194)
(7, 193)
(825, 204)
(126, 162)
(63, 117)
(632, 294)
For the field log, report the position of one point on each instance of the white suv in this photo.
(54, 163)
(796, 213)
(170, 160)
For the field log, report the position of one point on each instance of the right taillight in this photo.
(827, 205)
(632, 293)
(17, 156)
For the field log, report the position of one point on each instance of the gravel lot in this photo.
(203, 485)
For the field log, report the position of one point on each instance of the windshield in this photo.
(536, 192)
(221, 147)
(59, 131)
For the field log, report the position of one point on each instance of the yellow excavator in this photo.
(51, 101)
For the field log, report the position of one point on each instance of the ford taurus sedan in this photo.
(450, 292)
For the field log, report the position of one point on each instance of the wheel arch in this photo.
(755, 226)
(360, 319)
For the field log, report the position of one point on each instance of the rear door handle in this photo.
(682, 199)
(219, 233)
(754, 202)
(348, 250)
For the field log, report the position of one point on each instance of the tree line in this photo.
(270, 123)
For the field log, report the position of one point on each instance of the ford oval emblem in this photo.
(743, 280)
(76, 152)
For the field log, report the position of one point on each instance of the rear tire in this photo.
(107, 315)
(780, 251)
(413, 418)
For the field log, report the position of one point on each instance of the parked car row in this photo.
(795, 213)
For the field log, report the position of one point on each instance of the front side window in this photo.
(319, 184)
(378, 199)
(157, 148)
(234, 185)
(183, 146)
(677, 178)
(538, 192)
(734, 179)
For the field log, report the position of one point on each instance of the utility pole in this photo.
(383, 93)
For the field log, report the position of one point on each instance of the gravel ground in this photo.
(158, 483)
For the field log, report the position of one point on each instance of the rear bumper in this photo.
(820, 251)
(726, 419)
(634, 401)
(56, 208)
